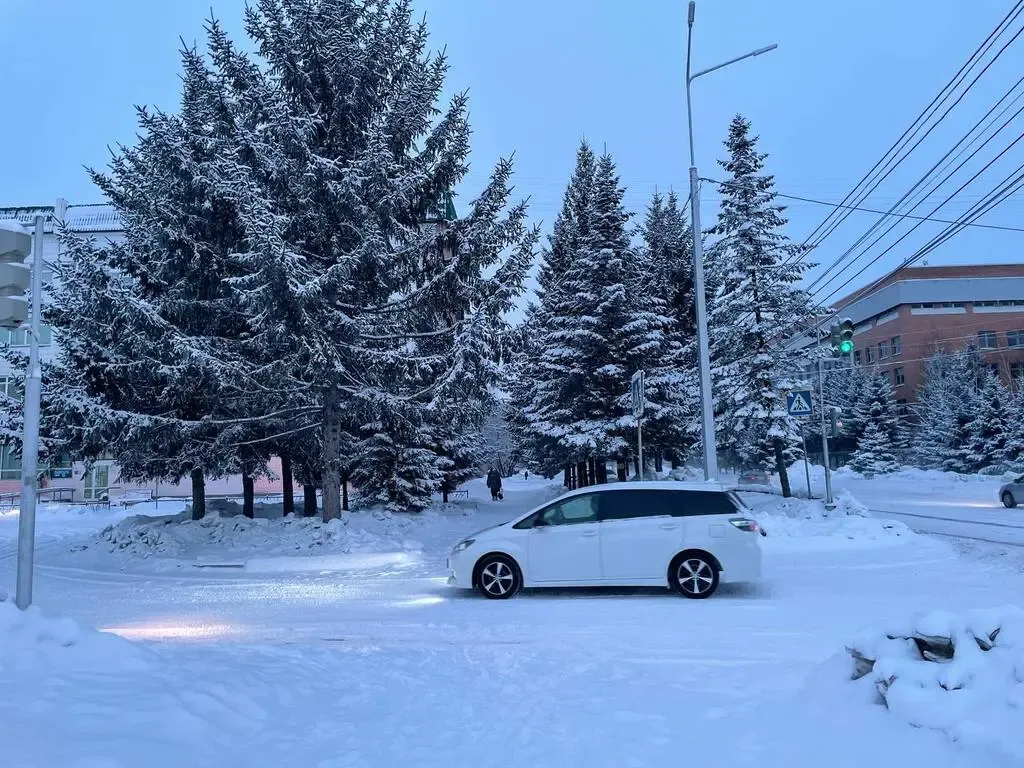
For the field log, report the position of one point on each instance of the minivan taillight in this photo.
(746, 524)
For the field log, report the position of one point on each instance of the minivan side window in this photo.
(706, 503)
(634, 503)
(577, 509)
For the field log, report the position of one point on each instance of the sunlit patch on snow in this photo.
(171, 631)
(421, 600)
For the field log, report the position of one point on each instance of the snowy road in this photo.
(965, 510)
(375, 662)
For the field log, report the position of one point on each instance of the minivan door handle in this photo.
(668, 526)
(588, 534)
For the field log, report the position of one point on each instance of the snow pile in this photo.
(29, 640)
(961, 675)
(788, 522)
(235, 536)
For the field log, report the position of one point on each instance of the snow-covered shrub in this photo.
(962, 675)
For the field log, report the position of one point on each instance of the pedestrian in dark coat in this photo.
(494, 484)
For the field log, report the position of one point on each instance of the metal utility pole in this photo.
(824, 435)
(639, 401)
(703, 347)
(30, 440)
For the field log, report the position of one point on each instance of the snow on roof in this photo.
(95, 217)
(11, 225)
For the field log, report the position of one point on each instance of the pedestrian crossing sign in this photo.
(798, 402)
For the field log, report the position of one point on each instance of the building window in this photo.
(883, 350)
(19, 337)
(1015, 338)
(898, 374)
(1005, 303)
(856, 356)
(10, 463)
(987, 340)
(897, 345)
(11, 387)
(869, 355)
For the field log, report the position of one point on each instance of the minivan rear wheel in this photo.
(1008, 500)
(694, 575)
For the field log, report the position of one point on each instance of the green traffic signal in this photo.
(846, 347)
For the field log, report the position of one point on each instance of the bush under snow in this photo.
(961, 675)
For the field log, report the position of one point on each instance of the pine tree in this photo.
(945, 410)
(756, 305)
(874, 453)
(990, 426)
(877, 427)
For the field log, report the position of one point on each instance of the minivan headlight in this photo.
(464, 544)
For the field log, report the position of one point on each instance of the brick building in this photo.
(900, 320)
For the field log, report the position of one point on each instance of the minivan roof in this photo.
(654, 485)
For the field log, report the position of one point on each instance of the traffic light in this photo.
(835, 341)
(15, 274)
(846, 336)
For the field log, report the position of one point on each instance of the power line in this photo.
(869, 180)
(821, 279)
(864, 210)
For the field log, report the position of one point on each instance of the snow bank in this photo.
(805, 524)
(960, 675)
(29, 640)
(237, 538)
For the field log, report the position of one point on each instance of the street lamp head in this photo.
(689, 16)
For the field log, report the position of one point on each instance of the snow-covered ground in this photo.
(328, 646)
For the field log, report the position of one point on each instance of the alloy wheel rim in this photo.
(695, 576)
(497, 578)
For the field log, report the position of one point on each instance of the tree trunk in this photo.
(567, 476)
(581, 475)
(444, 493)
(675, 461)
(780, 467)
(602, 471)
(592, 471)
(287, 485)
(659, 462)
(636, 467)
(622, 470)
(198, 494)
(248, 495)
(309, 501)
(332, 458)
(344, 492)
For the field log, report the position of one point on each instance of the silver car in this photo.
(1010, 492)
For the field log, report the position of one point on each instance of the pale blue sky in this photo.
(848, 77)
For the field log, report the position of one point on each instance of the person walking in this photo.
(494, 484)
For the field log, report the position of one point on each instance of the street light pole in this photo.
(30, 440)
(703, 346)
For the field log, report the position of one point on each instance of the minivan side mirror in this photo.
(540, 522)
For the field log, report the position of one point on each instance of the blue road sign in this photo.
(798, 402)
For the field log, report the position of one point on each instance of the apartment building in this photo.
(902, 319)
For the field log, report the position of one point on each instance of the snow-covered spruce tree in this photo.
(756, 306)
(388, 310)
(945, 409)
(550, 373)
(664, 284)
(1013, 452)
(876, 421)
(990, 428)
(874, 454)
(142, 321)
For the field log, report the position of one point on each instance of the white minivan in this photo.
(686, 536)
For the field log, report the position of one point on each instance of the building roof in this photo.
(949, 272)
(94, 217)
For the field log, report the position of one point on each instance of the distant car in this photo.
(685, 536)
(1010, 492)
(755, 480)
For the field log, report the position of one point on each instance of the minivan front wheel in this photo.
(498, 577)
(694, 575)
(1008, 500)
